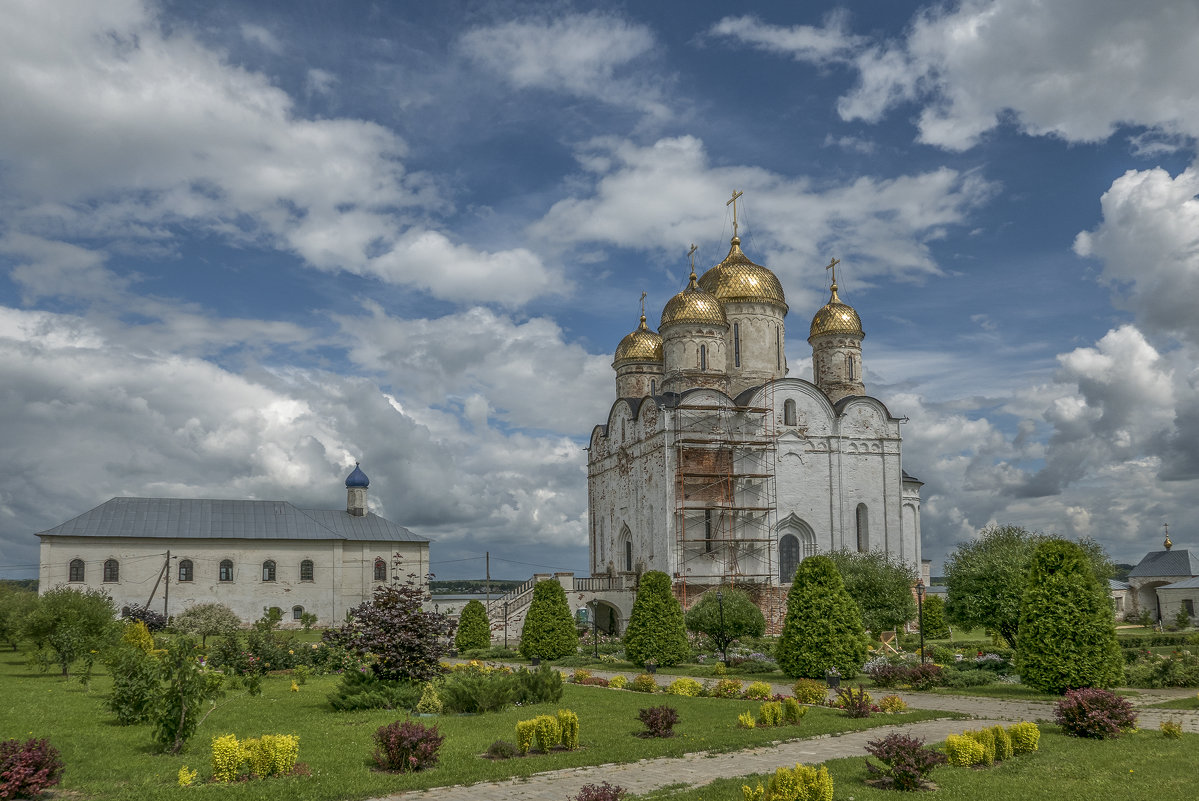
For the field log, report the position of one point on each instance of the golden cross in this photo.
(733, 202)
(642, 304)
(691, 256)
(832, 265)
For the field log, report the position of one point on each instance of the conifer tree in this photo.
(1067, 636)
(935, 627)
(474, 629)
(549, 631)
(823, 627)
(655, 630)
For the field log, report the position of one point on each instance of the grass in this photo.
(106, 761)
(1142, 765)
(1191, 702)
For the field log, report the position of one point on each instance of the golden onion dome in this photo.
(693, 305)
(836, 317)
(642, 345)
(739, 279)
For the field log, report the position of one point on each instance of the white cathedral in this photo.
(715, 467)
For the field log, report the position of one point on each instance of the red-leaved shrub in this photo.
(888, 675)
(28, 768)
(856, 705)
(1095, 713)
(406, 746)
(925, 677)
(906, 761)
(600, 792)
(659, 720)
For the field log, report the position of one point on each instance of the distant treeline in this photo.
(19, 584)
(463, 586)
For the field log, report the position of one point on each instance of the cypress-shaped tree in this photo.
(823, 626)
(935, 627)
(474, 629)
(549, 631)
(1067, 634)
(655, 629)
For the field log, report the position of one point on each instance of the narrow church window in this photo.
(788, 557)
(380, 570)
(707, 531)
(789, 412)
(297, 612)
(628, 556)
(849, 366)
(306, 570)
(703, 357)
(112, 570)
(75, 571)
(863, 529)
(653, 387)
(226, 572)
(185, 570)
(778, 347)
(736, 344)
(268, 570)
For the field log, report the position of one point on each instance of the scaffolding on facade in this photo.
(725, 496)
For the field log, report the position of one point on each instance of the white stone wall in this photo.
(837, 365)
(638, 379)
(681, 355)
(759, 326)
(343, 572)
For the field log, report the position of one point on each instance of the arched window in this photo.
(297, 612)
(185, 570)
(268, 570)
(703, 357)
(226, 571)
(306, 570)
(736, 344)
(788, 557)
(275, 612)
(624, 550)
(628, 556)
(797, 542)
(863, 529)
(789, 412)
(75, 570)
(112, 570)
(380, 570)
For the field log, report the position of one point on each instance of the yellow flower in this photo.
(290, 651)
(295, 688)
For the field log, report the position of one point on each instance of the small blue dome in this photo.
(357, 478)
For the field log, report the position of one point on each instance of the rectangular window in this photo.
(306, 570)
(1188, 606)
(736, 344)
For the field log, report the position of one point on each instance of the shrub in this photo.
(659, 721)
(618, 682)
(430, 701)
(794, 784)
(271, 754)
(579, 675)
(502, 749)
(153, 621)
(474, 629)
(1003, 743)
(746, 720)
(823, 626)
(967, 678)
(770, 714)
(135, 683)
(406, 746)
(186, 777)
(856, 705)
(1067, 633)
(28, 768)
(741, 617)
(1172, 729)
(526, 730)
(758, 691)
(935, 627)
(546, 732)
(906, 761)
(963, 751)
(809, 691)
(727, 688)
(67, 625)
(549, 630)
(985, 738)
(1094, 713)
(600, 792)
(925, 677)
(1179, 668)
(1025, 736)
(885, 674)
(594, 681)
(685, 686)
(540, 686)
(186, 687)
(655, 631)
(880, 585)
(644, 684)
(206, 620)
(362, 689)
(792, 711)
(568, 725)
(477, 691)
(893, 705)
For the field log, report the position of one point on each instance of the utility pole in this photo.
(166, 590)
(488, 584)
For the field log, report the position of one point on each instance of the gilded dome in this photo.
(836, 317)
(641, 345)
(739, 279)
(693, 305)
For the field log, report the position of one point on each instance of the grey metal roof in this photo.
(1115, 584)
(1167, 563)
(185, 518)
(1189, 584)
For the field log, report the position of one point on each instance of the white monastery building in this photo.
(171, 553)
(715, 467)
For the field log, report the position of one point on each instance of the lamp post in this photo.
(920, 614)
(505, 625)
(724, 654)
(595, 628)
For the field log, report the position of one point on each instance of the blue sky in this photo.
(243, 245)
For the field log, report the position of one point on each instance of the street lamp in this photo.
(595, 628)
(723, 642)
(920, 613)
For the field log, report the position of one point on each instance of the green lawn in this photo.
(1190, 702)
(1144, 765)
(106, 761)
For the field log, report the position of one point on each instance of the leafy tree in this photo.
(1067, 633)
(15, 605)
(655, 631)
(549, 630)
(186, 686)
(474, 629)
(823, 626)
(935, 627)
(881, 587)
(207, 620)
(987, 577)
(742, 618)
(67, 624)
(404, 641)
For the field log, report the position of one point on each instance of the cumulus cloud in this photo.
(818, 45)
(128, 129)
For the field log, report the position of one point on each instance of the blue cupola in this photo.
(357, 478)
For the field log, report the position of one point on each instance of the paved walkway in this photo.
(698, 769)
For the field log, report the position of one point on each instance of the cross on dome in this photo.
(733, 202)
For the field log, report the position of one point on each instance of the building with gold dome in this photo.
(716, 467)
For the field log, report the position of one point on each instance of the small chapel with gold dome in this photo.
(716, 467)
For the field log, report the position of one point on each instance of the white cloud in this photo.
(261, 36)
(831, 42)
